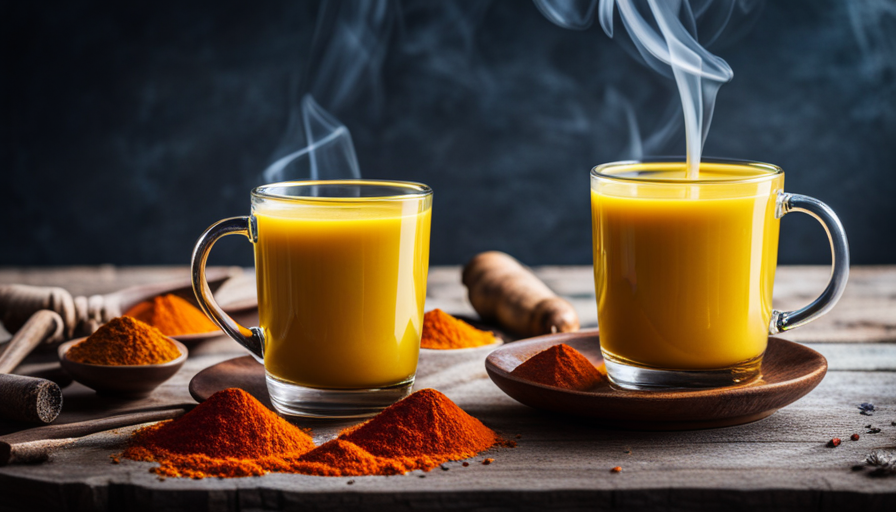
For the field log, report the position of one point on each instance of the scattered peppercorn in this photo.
(834, 442)
(617, 469)
(854, 437)
(866, 408)
(488, 461)
(444, 467)
(520, 436)
(872, 430)
(351, 482)
(465, 464)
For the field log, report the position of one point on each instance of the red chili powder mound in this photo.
(561, 366)
(425, 424)
(230, 434)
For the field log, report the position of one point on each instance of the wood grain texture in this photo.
(779, 463)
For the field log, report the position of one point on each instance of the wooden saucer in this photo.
(242, 372)
(789, 371)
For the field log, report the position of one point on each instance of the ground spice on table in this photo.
(172, 315)
(231, 434)
(443, 331)
(561, 366)
(124, 341)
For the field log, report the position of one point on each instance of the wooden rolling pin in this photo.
(36, 444)
(23, 398)
(503, 290)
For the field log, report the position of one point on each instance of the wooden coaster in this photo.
(789, 371)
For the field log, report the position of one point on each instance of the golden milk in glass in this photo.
(684, 270)
(341, 289)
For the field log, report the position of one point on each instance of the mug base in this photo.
(293, 400)
(629, 375)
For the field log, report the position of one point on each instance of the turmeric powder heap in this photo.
(124, 341)
(172, 315)
(231, 435)
(561, 366)
(443, 331)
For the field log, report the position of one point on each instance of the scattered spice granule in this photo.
(465, 464)
(519, 436)
(854, 437)
(488, 461)
(873, 430)
(617, 469)
(560, 366)
(442, 331)
(835, 442)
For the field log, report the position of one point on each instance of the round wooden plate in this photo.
(242, 372)
(789, 371)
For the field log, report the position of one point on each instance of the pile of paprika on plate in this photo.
(231, 434)
(442, 331)
(172, 315)
(560, 366)
(124, 341)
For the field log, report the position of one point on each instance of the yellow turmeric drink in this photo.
(341, 288)
(683, 269)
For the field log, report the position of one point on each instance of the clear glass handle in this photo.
(252, 338)
(785, 320)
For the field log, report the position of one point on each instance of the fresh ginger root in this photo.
(503, 290)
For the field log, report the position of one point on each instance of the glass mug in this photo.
(341, 271)
(684, 270)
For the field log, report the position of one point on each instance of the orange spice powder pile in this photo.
(172, 315)
(124, 341)
(231, 434)
(443, 331)
(561, 366)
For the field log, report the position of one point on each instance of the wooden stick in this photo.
(36, 444)
(29, 399)
(43, 325)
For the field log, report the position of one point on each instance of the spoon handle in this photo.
(36, 444)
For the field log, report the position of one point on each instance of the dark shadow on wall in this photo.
(126, 130)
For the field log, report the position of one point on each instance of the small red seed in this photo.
(854, 437)
(465, 464)
(617, 469)
(488, 461)
(834, 442)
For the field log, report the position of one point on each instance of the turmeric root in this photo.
(503, 290)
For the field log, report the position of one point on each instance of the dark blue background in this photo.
(126, 130)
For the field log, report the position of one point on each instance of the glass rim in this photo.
(773, 171)
(415, 190)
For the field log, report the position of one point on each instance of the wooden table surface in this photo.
(780, 463)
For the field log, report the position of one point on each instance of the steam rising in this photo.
(325, 149)
(350, 43)
(664, 33)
